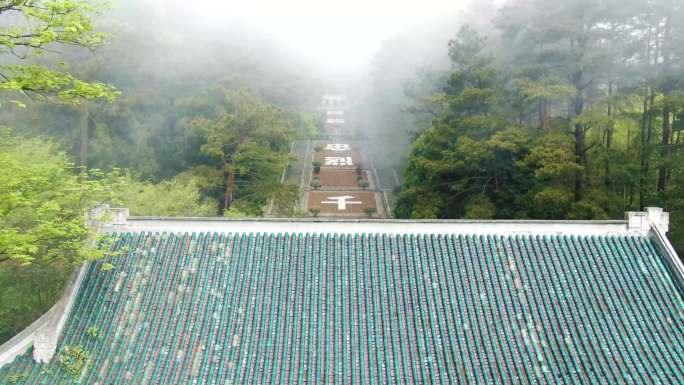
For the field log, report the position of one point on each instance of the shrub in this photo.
(180, 196)
(370, 211)
(315, 211)
(316, 183)
(316, 167)
(318, 148)
(363, 184)
(359, 169)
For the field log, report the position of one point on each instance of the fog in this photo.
(165, 52)
(419, 110)
(166, 55)
(340, 38)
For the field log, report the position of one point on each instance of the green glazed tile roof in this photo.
(374, 309)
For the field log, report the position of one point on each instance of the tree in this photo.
(42, 200)
(551, 160)
(540, 91)
(42, 226)
(42, 203)
(462, 154)
(580, 116)
(563, 41)
(285, 201)
(249, 143)
(669, 16)
(38, 27)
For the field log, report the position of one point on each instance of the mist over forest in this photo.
(524, 109)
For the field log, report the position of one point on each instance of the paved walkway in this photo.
(338, 177)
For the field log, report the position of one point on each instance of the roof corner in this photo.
(642, 221)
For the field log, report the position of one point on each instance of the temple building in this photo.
(364, 301)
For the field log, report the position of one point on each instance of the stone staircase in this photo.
(338, 177)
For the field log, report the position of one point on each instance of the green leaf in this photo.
(107, 266)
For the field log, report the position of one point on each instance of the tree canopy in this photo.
(43, 198)
(42, 204)
(573, 109)
(34, 28)
(249, 142)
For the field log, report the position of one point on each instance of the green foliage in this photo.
(316, 166)
(50, 21)
(239, 210)
(53, 85)
(107, 266)
(551, 203)
(42, 202)
(308, 125)
(316, 183)
(445, 172)
(418, 203)
(364, 184)
(285, 201)
(479, 208)
(148, 131)
(28, 292)
(35, 28)
(17, 378)
(249, 146)
(314, 211)
(42, 232)
(587, 209)
(93, 332)
(465, 51)
(370, 211)
(542, 89)
(552, 158)
(75, 361)
(177, 197)
(568, 119)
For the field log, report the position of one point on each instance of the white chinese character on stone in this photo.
(341, 202)
(338, 161)
(338, 147)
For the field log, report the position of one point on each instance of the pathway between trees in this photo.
(338, 177)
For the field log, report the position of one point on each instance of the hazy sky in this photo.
(341, 35)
